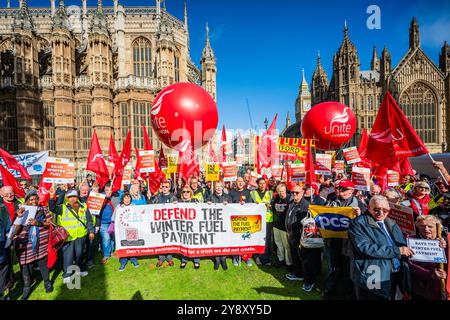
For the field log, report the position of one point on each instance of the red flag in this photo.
(392, 136)
(211, 154)
(52, 254)
(112, 151)
(268, 146)
(224, 142)
(44, 192)
(96, 162)
(10, 181)
(405, 167)
(121, 162)
(137, 168)
(162, 162)
(257, 155)
(13, 164)
(147, 144)
(188, 164)
(309, 166)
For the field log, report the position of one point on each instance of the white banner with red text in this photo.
(190, 229)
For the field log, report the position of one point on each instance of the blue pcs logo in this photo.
(37, 167)
(333, 222)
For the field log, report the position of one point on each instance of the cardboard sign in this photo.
(277, 171)
(212, 171)
(240, 160)
(229, 171)
(252, 185)
(351, 155)
(127, 174)
(426, 250)
(95, 202)
(172, 164)
(323, 164)
(404, 217)
(339, 166)
(298, 172)
(393, 178)
(361, 178)
(146, 161)
(58, 170)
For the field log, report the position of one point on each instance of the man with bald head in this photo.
(379, 251)
(10, 203)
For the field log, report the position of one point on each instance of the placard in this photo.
(58, 170)
(172, 164)
(252, 185)
(277, 171)
(229, 171)
(95, 202)
(361, 178)
(339, 166)
(393, 178)
(146, 161)
(323, 164)
(404, 217)
(351, 155)
(298, 172)
(426, 250)
(33, 162)
(212, 171)
(127, 174)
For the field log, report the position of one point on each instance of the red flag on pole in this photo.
(257, 155)
(121, 162)
(13, 164)
(268, 147)
(112, 151)
(96, 162)
(224, 142)
(188, 164)
(10, 181)
(162, 161)
(211, 154)
(137, 168)
(309, 166)
(392, 136)
(44, 192)
(147, 144)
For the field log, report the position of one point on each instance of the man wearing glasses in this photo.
(165, 196)
(378, 247)
(419, 199)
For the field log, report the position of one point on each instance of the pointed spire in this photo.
(208, 52)
(99, 6)
(185, 16)
(345, 28)
(414, 34)
(288, 120)
(23, 19)
(375, 63)
(164, 5)
(303, 77)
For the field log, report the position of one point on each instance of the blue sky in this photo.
(261, 46)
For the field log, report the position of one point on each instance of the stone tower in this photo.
(209, 70)
(374, 63)
(444, 64)
(26, 79)
(385, 68)
(414, 35)
(303, 102)
(166, 54)
(319, 85)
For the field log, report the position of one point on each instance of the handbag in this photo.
(58, 235)
(311, 237)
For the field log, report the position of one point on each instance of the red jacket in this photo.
(419, 206)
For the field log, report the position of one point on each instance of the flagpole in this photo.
(442, 174)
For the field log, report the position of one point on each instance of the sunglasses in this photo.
(296, 192)
(423, 188)
(381, 209)
(165, 187)
(186, 191)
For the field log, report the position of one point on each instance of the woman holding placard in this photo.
(426, 277)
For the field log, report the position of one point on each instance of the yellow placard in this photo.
(244, 224)
(172, 164)
(333, 222)
(212, 172)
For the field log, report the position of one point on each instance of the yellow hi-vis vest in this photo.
(266, 199)
(73, 226)
(199, 195)
(436, 201)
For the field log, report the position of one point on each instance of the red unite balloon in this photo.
(331, 123)
(184, 105)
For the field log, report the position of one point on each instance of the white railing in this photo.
(6, 82)
(46, 82)
(131, 82)
(82, 81)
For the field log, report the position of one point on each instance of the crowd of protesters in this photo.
(373, 238)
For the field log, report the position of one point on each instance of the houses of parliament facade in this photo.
(421, 88)
(67, 70)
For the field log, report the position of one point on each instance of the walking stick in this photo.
(441, 265)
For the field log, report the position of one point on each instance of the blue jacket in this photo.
(372, 252)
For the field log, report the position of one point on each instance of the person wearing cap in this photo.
(262, 195)
(31, 244)
(337, 251)
(379, 253)
(77, 220)
(419, 199)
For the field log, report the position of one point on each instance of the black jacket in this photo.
(161, 198)
(236, 196)
(296, 212)
(279, 210)
(219, 199)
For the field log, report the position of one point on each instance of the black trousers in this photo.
(297, 265)
(311, 263)
(267, 256)
(4, 273)
(74, 252)
(27, 271)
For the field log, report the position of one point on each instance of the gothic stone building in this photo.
(421, 88)
(68, 70)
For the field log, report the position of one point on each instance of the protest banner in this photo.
(33, 162)
(58, 170)
(298, 172)
(333, 222)
(252, 185)
(361, 178)
(277, 171)
(292, 148)
(339, 166)
(404, 217)
(193, 230)
(146, 161)
(393, 178)
(127, 174)
(212, 171)
(323, 164)
(426, 250)
(351, 155)
(95, 202)
(240, 160)
(229, 171)
(172, 164)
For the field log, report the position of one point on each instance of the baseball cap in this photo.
(30, 194)
(422, 184)
(72, 193)
(347, 184)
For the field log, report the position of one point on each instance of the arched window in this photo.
(142, 57)
(419, 104)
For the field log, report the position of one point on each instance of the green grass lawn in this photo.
(105, 282)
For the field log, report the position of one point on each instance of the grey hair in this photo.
(431, 217)
(378, 198)
(281, 185)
